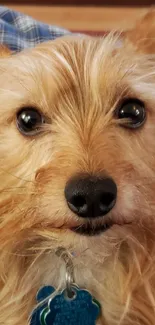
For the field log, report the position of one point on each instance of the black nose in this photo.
(91, 197)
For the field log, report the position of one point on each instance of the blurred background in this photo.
(92, 16)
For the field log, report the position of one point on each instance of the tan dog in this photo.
(77, 169)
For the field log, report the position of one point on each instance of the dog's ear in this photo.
(142, 36)
(4, 51)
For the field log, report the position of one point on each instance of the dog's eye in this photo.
(133, 110)
(29, 121)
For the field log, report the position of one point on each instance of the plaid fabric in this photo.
(18, 31)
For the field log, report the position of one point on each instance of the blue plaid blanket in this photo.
(18, 31)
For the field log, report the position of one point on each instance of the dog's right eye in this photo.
(29, 121)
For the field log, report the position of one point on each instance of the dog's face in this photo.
(76, 140)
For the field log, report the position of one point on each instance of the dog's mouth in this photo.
(91, 229)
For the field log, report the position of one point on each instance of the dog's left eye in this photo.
(29, 121)
(133, 111)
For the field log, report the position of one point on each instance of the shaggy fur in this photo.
(78, 83)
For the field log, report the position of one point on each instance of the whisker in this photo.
(15, 176)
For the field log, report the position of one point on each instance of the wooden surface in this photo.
(84, 2)
(85, 18)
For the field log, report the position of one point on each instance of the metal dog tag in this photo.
(80, 309)
(72, 306)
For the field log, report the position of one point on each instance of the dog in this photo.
(77, 170)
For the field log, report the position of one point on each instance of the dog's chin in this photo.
(88, 229)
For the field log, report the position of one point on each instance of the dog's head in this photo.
(76, 140)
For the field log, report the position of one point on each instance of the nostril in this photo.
(78, 201)
(106, 200)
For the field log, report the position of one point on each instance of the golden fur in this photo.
(77, 82)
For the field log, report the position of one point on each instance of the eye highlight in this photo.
(29, 121)
(133, 111)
